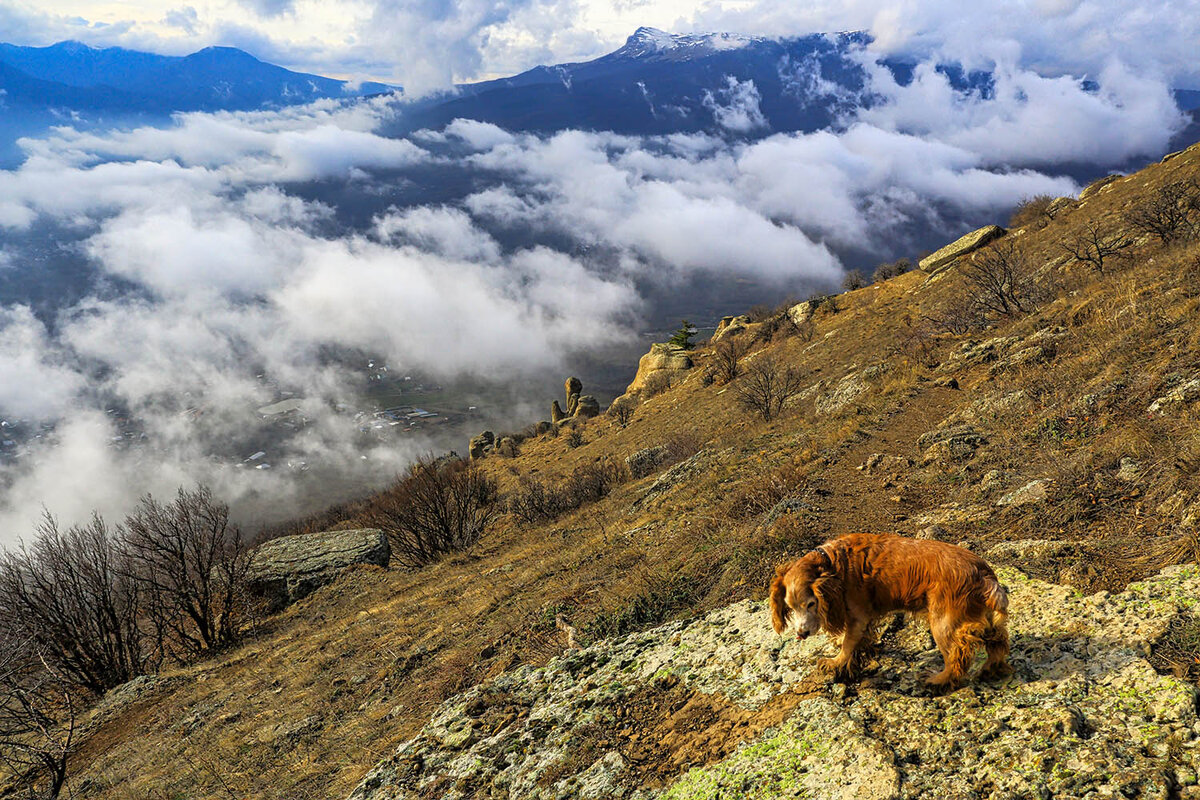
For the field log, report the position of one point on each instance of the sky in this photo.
(428, 44)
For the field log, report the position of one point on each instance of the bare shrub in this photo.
(622, 410)
(1170, 214)
(574, 438)
(854, 280)
(726, 357)
(37, 720)
(891, 270)
(1000, 280)
(437, 507)
(760, 493)
(767, 387)
(915, 339)
(190, 564)
(69, 595)
(1032, 210)
(1093, 247)
(957, 317)
(537, 501)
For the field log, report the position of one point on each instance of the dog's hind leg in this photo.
(956, 640)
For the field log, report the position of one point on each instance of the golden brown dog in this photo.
(848, 582)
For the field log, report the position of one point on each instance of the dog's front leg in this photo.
(843, 665)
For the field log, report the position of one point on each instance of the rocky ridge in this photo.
(722, 707)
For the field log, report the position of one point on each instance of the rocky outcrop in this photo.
(722, 707)
(1096, 185)
(578, 406)
(1181, 395)
(950, 444)
(587, 407)
(961, 247)
(284, 570)
(662, 359)
(1032, 492)
(731, 326)
(482, 444)
(646, 461)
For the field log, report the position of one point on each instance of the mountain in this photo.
(659, 83)
(82, 78)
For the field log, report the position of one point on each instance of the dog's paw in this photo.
(996, 672)
(830, 665)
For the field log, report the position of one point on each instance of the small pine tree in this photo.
(683, 337)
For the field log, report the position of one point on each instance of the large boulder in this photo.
(662, 358)
(284, 570)
(961, 247)
(587, 406)
(721, 706)
(480, 445)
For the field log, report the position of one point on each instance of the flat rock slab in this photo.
(284, 570)
(721, 707)
(961, 246)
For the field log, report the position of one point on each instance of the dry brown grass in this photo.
(371, 655)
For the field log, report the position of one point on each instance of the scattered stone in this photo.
(1128, 470)
(952, 443)
(801, 312)
(1180, 395)
(1025, 550)
(878, 462)
(993, 479)
(961, 247)
(1033, 492)
(935, 532)
(284, 570)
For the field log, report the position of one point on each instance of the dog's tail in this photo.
(995, 597)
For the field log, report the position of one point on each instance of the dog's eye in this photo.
(811, 603)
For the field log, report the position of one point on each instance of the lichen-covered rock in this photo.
(284, 570)
(1098, 184)
(844, 392)
(1035, 491)
(961, 247)
(1085, 715)
(1181, 395)
(950, 443)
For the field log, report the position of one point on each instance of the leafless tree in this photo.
(957, 317)
(37, 720)
(767, 386)
(70, 596)
(622, 411)
(853, 280)
(1000, 280)
(190, 563)
(727, 355)
(1170, 214)
(438, 506)
(1092, 246)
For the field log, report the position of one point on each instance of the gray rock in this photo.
(1096, 185)
(845, 392)
(1129, 470)
(284, 570)
(1023, 550)
(1085, 715)
(1181, 395)
(950, 443)
(1033, 492)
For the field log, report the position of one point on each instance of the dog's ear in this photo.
(779, 599)
(824, 562)
(831, 603)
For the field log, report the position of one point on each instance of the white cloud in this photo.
(735, 107)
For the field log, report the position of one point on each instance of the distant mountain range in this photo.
(74, 76)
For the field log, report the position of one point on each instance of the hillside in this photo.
(1059, 440)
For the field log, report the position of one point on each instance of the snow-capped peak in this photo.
(646, 41)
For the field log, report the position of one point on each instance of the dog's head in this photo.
(806, 595)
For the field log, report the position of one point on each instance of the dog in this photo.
(849, 582)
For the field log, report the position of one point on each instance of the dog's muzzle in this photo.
(801, 635)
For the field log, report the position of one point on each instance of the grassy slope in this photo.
(325, 689)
